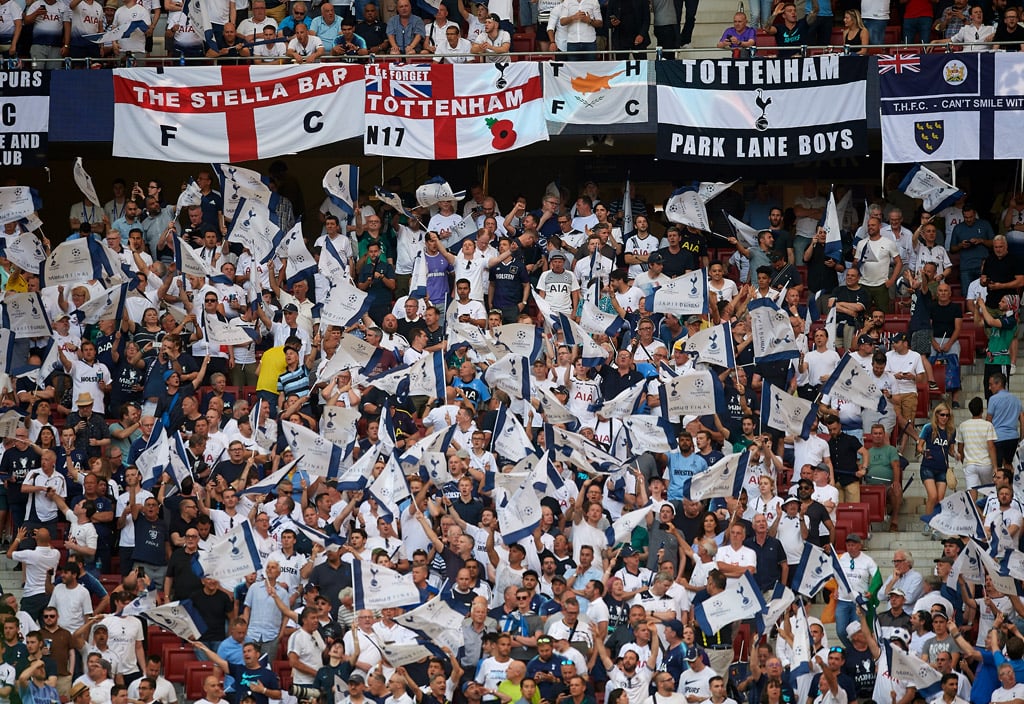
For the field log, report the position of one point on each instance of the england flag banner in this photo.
(452, 111)
(378, 587)
(231, 556)
(957, 514)
(771, 331)
(814, 570)
(850, 382)
(725, 477)
(234, 113)
(180, 618)
(945, 107)
(696, 393)
(741, 599)
(768, 111)
(595, 92)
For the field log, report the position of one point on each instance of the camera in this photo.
(304, 692)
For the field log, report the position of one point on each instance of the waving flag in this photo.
(850, 382)
(651, 433)
(121, 31)
(776, 608)
(598, 322)
(521, 339)
(427, 377)
(771, 331)
(518, 512)
(726, 477)
(108, 305)
(511, 374)
(190, 195)
(686, 207)
(345, 305)
(833, 234)
(622, 529)
(627, 208)
(269, 484)
(189, 262)
(921, 182)
(317, 452)
(1001, 578)
(341, 184)
(24, 315)
(912, 671)
(957, 514)
(682, 296)
(231, 557)
(591, 353)
(26, 252)
(509, 438)
(389, 488)
(377, 587)
(391, 199)
(790, 414)
(741, 599)
(623, 405)
(418, 279)
(238, 184)
(814, 570)
(969, 564)
(84, 182)
(438, 621)
(253, 227)
(293, 248)
(141, 604)
(709, 190)
(713, 345)
(742, 231)
(180, 618)
(698, 393)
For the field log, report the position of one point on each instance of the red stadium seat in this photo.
(283, 670)
(966, 349)
(854, 517)
(874, 496)
(176, 658)
(839, 544)
(195, 673)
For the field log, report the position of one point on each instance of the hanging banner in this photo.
(595, 92)
(943, 107)
(452, 111)
(234, 113)
(768, 111)
(25, 106)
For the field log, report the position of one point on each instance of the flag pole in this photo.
(952, 164)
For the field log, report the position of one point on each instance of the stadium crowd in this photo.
(560, 615)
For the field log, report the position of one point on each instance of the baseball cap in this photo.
(357, 677)
(555, 253)
(939, 612)
(791, 500)
(693, 654)
(946, 559)
(694, 320)
(897, 592)
(852, 627)
(854, 538)
(673, 623)
(462, 454)
(291, 308)
(820, 468)
(655, 258)
(899, 337)
(865, 340)
(628, 551)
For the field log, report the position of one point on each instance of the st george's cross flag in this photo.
(234, 113)
(452, 111)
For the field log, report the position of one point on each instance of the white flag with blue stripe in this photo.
(791, 414)
(438, 621)
(595, 320)
(427, 377)
(344, 305)
(682, 296)
(726, 477)
(696, 393)
(418, 279)
(521, 338)
(24, 315)
(833, 234)
(814, 570)
(293, 248)
(518, 512)
(622, 529)
(238, 184)
(511, 374)
(253, 227)
(740, 600)
(653, 433)
(713, 345)
(742, 231)
(378, 587)
(623, 405)
(850, 382)
(776, 607)
(341, 184)
(921, 182)
(957, 514)
(389, 488)
(772, 333)
(591, 353)
(180, 618)
(317, 452)
(509, 438)
(269, 484)
(190, 195)
(231, 557)
(686, 207)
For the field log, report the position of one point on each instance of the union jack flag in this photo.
(399, 81)
(898, 63)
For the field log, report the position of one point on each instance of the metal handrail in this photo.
(652, 53)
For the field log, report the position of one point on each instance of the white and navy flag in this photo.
(625, 404)
(220, 333)
(511, 374)
(108, 305)
(519, 511)
(790, 414)
(293, 248)
(775, 608)
(438, 621)
(180, 618)
(850, 382)
(521, 338)
(189, 262)
(945, 107)
(84, 182)
(238, 184)
(738, 601)
(591, 353)
(726, 477)
(957, 514)
(696, 393)
(833, 233)
(141, 604)
(713, 345)
(24, 315)
(269, 484)
(653, 433)
(937, 195)
(390, 488)
(231, 557)
(912, 671)
(426, 376)
(773, 338)
(378, 587)
(402, 654)
(597, 321)
(999, 573)
(15, 203)
(770, 111)
(27, 252)
(509, 438)
(341, 184)
(344, 305)
(686, 207)
(72, 262)
(742, 231)
(682, 296)
(622, 529)
(595, 92)
(317, 452)
(814, 570)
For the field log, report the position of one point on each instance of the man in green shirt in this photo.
(884, 468)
